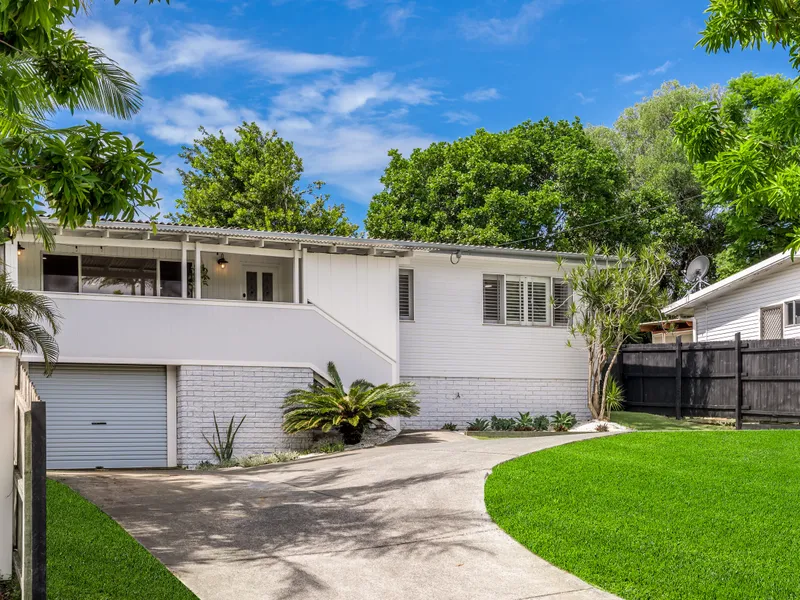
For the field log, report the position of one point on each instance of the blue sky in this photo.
(346, 80)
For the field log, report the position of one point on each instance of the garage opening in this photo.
(111, 416)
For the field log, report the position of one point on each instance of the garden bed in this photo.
(514, 434)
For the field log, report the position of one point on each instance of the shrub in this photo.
(615, 396)
(450, 427)
(541, 423)
(563, 421)
(478, 425)
(325, 407)
(330, 447)
(524, 422)
(256, 460)
(502, 424)
(286, 456)
(601, 427)
(223, 450)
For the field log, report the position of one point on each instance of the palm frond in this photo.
(114, 91)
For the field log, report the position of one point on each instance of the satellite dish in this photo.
(696, 273)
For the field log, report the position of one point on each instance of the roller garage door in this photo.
(104, 415)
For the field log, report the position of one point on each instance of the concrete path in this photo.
(402, 521)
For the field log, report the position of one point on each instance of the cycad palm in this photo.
(29, 322)
(326, 407)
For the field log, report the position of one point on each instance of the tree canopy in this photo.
(746, 158)
(669, 200)
(253, 182)
(746, 144)
(538, 185)
(77, 173)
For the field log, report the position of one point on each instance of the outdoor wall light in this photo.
(20, 249)
(222, 262)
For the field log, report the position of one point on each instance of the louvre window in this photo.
(515, 301)
(537, 302)
(493, 299)
(406, 293)
(562, 300)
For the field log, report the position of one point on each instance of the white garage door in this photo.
(104, 415)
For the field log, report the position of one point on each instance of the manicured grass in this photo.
(662, 515)
(647, 422)
(89, 556)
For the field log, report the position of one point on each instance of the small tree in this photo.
(614, 294)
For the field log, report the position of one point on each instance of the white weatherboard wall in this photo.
(359, 291)
(465, 369)
(448, 338)
(739, 310)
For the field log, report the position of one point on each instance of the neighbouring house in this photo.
(669, 330)
(760, 302)
(164, 328)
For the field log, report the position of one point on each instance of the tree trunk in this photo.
(351, 434)
(605, 381)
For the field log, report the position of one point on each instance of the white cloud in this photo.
(584, 98)
(397, 16)
(482, 95)
(177, 121)
(462, 117)
(628, 78)
(197, 48)
(662, 69)
(508, 30)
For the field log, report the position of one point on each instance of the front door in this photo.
(259, 286)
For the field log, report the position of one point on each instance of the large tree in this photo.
(749, 153)
(253, 182)
(74, 174)
(538, 185)
(671, 206)
(747, 160)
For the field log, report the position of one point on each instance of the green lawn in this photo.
(662, 515)
(647, 422)
(89, 556)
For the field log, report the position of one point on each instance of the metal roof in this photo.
(331, 240)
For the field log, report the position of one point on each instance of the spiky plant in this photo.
(29, 322)
(223, 449)
(327, 406)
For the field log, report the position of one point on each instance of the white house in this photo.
(152, 346)
(760, 302)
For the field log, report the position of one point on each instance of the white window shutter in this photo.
(493, 299)
(406, 295)
(515, 301)
(537, 302)
(562, 300)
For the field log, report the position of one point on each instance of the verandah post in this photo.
(737, 348)
(678, 377)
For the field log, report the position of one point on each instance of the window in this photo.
(562, 299)
(118, 275)
(406, 294)
(60, 273)
(493, 299)
(171, 279)
(526, 300)
(793, 312)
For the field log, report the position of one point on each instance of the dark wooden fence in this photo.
(751, 381)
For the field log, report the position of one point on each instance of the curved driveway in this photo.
(405, 520)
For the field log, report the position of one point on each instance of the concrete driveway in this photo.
(402, 521)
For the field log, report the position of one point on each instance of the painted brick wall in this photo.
(257, 392)
(462, 399)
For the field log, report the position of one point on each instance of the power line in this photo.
(609, 220)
